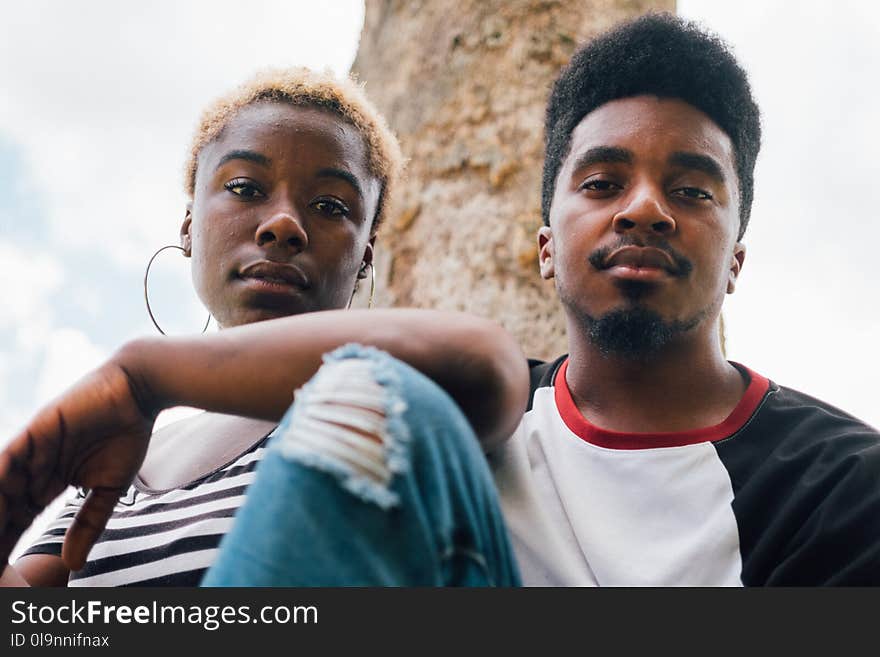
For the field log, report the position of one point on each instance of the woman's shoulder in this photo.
(194, 447)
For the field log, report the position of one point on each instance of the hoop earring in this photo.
(147, 296)
(372, 287)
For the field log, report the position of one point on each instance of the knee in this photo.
(352, 420)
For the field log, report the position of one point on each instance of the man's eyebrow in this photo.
(241, 154)
(698, 162)
(602, 154)
(342, 174)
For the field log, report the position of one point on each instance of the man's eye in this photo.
(599, 185)
(694, 193)
(243, 188)
(330, 207)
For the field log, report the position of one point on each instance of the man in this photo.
(646, 458)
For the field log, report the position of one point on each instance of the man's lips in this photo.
(271, 273)
(640, 258)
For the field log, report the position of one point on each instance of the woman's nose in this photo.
(282, 229)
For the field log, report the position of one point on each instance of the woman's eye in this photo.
(330, 207)
(694, 193)
(243, 188)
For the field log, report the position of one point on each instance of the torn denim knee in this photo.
(348, 421)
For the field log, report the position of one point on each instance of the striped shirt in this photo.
(160, 538)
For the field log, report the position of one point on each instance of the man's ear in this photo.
(185, 232)
(736, 265)
(367, 258)
(545, 252)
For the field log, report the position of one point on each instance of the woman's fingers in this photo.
(94, 435)
(18, 506)
(8, 537)
(88, 524)
(7, 545)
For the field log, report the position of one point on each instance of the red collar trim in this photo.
(579, 425)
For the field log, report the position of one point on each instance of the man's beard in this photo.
(634, 333)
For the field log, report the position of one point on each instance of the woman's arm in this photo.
(36, 570)
(95, 435)
(253, 370)
(11, 577)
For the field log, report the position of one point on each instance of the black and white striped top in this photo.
(160, 538)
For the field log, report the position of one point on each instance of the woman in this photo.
(289, 178)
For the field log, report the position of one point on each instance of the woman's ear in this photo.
(185, 232)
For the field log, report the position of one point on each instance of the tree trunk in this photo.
(464, 83)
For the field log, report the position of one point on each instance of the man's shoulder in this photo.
(541, 375)
(810, 415)
(804, 474)
(792, 432)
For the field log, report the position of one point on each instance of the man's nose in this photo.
(282, 228)
(646, 211)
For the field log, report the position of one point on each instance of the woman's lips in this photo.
(271, 276)
(271, 285)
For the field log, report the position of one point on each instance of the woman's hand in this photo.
(95, 435)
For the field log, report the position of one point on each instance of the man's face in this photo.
(644, 216)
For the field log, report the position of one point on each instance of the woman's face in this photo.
(281, 214)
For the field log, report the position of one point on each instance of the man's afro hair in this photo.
(662, 55)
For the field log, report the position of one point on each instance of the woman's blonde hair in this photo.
(303, 87)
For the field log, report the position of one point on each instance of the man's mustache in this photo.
(683, 266)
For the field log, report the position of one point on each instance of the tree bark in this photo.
(464, 84)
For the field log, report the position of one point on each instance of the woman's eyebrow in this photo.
(242, 154)
(342, 174)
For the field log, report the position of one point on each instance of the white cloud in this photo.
(64, 355)
(69, 356)
(28, 280)
(104, 95)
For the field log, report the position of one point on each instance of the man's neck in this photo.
(688, 385)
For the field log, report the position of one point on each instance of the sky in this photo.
(806, 311)
(99, 98)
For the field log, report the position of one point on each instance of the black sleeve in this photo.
(838, 543)
(806, 480)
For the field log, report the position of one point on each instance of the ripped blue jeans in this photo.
(373, 478)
